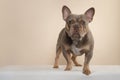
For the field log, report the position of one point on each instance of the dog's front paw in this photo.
(86, 71)
(78, 65)
(68, 68)
(55, 66)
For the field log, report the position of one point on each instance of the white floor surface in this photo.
(111, 72)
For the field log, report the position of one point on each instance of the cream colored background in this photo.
(29, 30)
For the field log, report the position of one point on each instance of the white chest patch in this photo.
(76, 50)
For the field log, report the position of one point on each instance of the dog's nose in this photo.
(76, 28)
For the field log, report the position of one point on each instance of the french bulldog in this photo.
(75, 39)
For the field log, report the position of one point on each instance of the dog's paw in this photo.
(86, 71)
(68, 68)
(78, 65)
(55, 66)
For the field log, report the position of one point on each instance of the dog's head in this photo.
(77, 25)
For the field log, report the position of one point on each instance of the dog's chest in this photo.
(78, 51)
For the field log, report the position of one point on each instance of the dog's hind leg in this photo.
(75, 61)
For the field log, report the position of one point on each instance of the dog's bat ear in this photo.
(89, 14)
(65, 12)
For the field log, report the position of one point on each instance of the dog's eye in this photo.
(71, 21)
(82, 22)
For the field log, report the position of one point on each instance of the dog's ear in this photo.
(89, 14)
(65, 12)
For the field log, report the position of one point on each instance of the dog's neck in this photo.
(80, 42)
(77, 42)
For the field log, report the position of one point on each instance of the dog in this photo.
(75, 39)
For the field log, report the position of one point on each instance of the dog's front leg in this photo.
(88, 57)
(67, 56)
